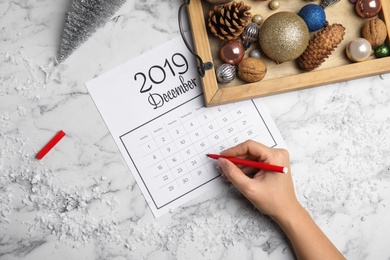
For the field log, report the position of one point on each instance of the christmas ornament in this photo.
(232, 51)
(251, 70)
(226, 73)
(375, 32)
(382, 51)
(368, 8)
(258, 19)
(228, 21)
(314, 16)
(83, 19)
(327, 3)
(250, 34)
(359, 50)
(255, 53)
(283, 36)
(274, 4)
(321, 46)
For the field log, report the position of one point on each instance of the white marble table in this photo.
(81, 201)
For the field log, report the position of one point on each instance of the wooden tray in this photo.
(284, 77)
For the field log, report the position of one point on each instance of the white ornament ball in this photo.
(359, 50)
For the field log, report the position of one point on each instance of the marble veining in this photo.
(81, 201)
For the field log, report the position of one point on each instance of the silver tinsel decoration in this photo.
(85, 18)
(226, 73)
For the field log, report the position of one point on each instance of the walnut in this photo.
(375, 32)
(251, 70)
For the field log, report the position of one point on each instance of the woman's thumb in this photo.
(233, 174)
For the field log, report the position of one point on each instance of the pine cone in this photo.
(321, 46)
(228, 21)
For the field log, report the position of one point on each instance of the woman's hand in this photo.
(271, 192)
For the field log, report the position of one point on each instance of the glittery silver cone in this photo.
(85, 18)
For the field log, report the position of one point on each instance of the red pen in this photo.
(50, 145)
(258, 165)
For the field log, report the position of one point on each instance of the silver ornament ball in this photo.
(255, 53)
(251, 32)
(226, 73)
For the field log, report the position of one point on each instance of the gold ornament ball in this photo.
(284, 36)
(258, 19)
(274, 4)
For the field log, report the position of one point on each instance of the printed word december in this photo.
(158, 100)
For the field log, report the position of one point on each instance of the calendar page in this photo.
(154, 108)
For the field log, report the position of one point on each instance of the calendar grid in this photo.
(170, 158)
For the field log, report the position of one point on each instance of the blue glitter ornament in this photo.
(314, 16)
